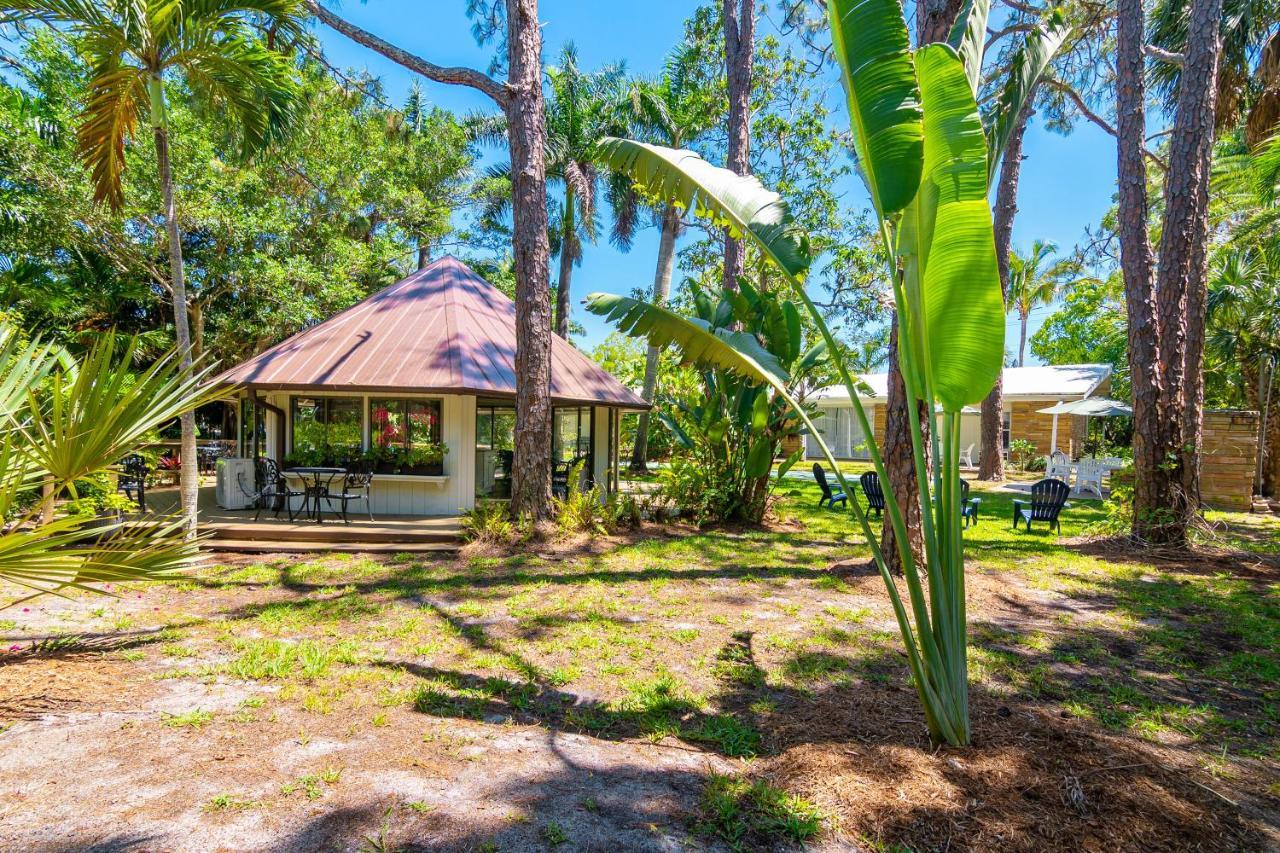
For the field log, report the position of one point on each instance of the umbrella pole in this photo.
(1053, 440)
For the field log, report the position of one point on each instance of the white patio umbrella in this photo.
(1089, 407)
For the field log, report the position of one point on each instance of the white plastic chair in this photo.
(1089, 477)
(966, 456)
(1058, 466)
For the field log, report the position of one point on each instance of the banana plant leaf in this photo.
(739, 202)
(873, 46)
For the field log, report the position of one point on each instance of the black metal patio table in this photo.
(321, 478)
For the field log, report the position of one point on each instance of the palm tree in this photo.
(675, 110)
(63, 420)
(1243, 309)
(132, 48)
(580, 109)
(1036, 279)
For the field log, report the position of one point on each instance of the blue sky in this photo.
(1067, 182)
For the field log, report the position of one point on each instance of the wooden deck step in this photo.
(418, 531)
(267, 546)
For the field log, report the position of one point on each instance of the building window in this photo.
(324, 430)
(404, 436)
(250, 426)
(571, 447)
(404, 424)
(1004, 430)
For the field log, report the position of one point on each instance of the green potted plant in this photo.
(99, 512)
(425, 458)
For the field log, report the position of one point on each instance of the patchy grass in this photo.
(771, 655)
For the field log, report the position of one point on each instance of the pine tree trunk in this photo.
(1180, 280)
(899, 461)
(568, 248)
(935, 18)
(739, 56)
(1136, 262)
(521, 101)
(189, 474)
(531, 482)
(991, 458)
(424, 253)
(661, 289)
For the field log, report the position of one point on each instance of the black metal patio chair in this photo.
(270, 487)
(875, 493)
(132, 479)
(356, 486)
(829, 497)
(1048, 497)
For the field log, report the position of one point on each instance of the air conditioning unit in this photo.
(232, 472)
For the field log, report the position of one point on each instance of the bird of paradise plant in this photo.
(924, 155)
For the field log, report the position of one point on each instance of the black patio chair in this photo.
(875, 494)
(1048, 497)
(356, 486)
(132, 479)
(968, 506)
(270, 487)
(829, 497)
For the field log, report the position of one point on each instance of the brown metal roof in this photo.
(443, 329)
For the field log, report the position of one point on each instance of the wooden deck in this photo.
(235, 530)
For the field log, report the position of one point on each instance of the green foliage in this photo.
(488, 522)
(756, 815)
(734, 425)
(62, 423)
(1090, 327)
(1022, 453)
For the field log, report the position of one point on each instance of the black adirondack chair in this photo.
(968, 506)
(356, 486)
(1048, 497)
(829, 497)
(875, 494)
(132, 480)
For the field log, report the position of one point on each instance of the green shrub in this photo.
(1022, 453)
(489, 521)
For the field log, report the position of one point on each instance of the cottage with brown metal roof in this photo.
(419, 378)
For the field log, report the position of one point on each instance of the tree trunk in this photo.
(197, 329)
(1180, 280)
(1150, 483)
(531, 486)
(424, 253)
(739, 55)
(661, 288)
(899, 461)
(1022, 338)
(189, 474)
(991, 458)
(568, 245)
(521, 101)
(935, 18)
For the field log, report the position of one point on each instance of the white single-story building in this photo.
(1026, 390)
(419, 380)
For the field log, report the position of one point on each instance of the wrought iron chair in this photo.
(356, 486)
(1048, 497)
(829, 496)
(132, 479)
(875, 493)
(270, 486)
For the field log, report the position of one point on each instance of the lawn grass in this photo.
(720, 639)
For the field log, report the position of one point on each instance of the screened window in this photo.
(330, 426)
(571, 436)
(404, 423)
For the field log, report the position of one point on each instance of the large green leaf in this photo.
(738, 202)
(969, 38)
(873, 48)
(699, 344)
(960, 306)
(1025, 71)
